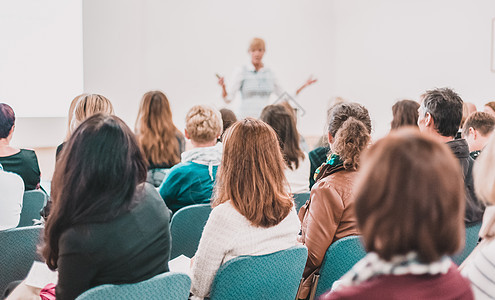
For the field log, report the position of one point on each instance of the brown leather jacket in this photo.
(326, 217)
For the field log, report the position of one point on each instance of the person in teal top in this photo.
(192, 180)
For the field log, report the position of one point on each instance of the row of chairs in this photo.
(32, 203)
(271, 276)
(18, 248)
(188, 223)
(342, 255)
(187, 226)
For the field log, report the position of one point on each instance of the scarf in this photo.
(208, 156)
(372, 266)
(332, 165)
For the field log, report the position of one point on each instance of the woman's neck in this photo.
(6, 149)
(257, 66)
(205, 144)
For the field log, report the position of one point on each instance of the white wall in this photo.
(134, 46)
(374, 52)
(386, 50)
(41, 67)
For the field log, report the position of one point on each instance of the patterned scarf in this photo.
(332, 165)
(372, 266)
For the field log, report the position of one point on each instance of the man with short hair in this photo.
(440, 115)
(477, 130)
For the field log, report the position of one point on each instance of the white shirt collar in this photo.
(250, 67)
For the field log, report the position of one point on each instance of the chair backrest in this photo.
(340, 257)
(300, 200)
(186, 228)
(272, 276)
(472, 231)
(170, 285)
(17, 253)
(32, 203)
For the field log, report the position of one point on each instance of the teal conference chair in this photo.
(300, 200)
(340, 257)
(472, 231)
(186, 228)
(32, 203)
(272, 276)
(17, 253)
(170, 285)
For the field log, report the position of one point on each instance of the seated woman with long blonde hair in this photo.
(83, 107)
(253, 212)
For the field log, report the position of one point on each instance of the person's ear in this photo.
(429, 120)
(330, 138)
(186, 134)
(473, 132)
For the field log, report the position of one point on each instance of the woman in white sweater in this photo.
(480, 267)
(253, 212)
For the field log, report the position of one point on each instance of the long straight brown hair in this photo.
(284, 124)
(155, 130)
(252, 174)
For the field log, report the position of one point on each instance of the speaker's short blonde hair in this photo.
(257, 43)
(203, 123)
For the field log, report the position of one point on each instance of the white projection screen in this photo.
(41, 55)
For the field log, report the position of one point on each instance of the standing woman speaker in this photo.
(255, 82)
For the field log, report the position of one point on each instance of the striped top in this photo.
(481, 272)
(255, 88)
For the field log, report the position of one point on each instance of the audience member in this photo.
(477, 130)
(228, 118)
(329, 214)
(405, 113)
(253, 211)
(23, 162)
(293, 112)
(296, 161)
(319, 155)
(490, 108)
(72, 106)
(479, 267)
(99, 229)
(191, 181)
(161, 142)
(83, 107)
(408, 226)
(440, 114)
(467, 110)
(323, 140)
(12, 188)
